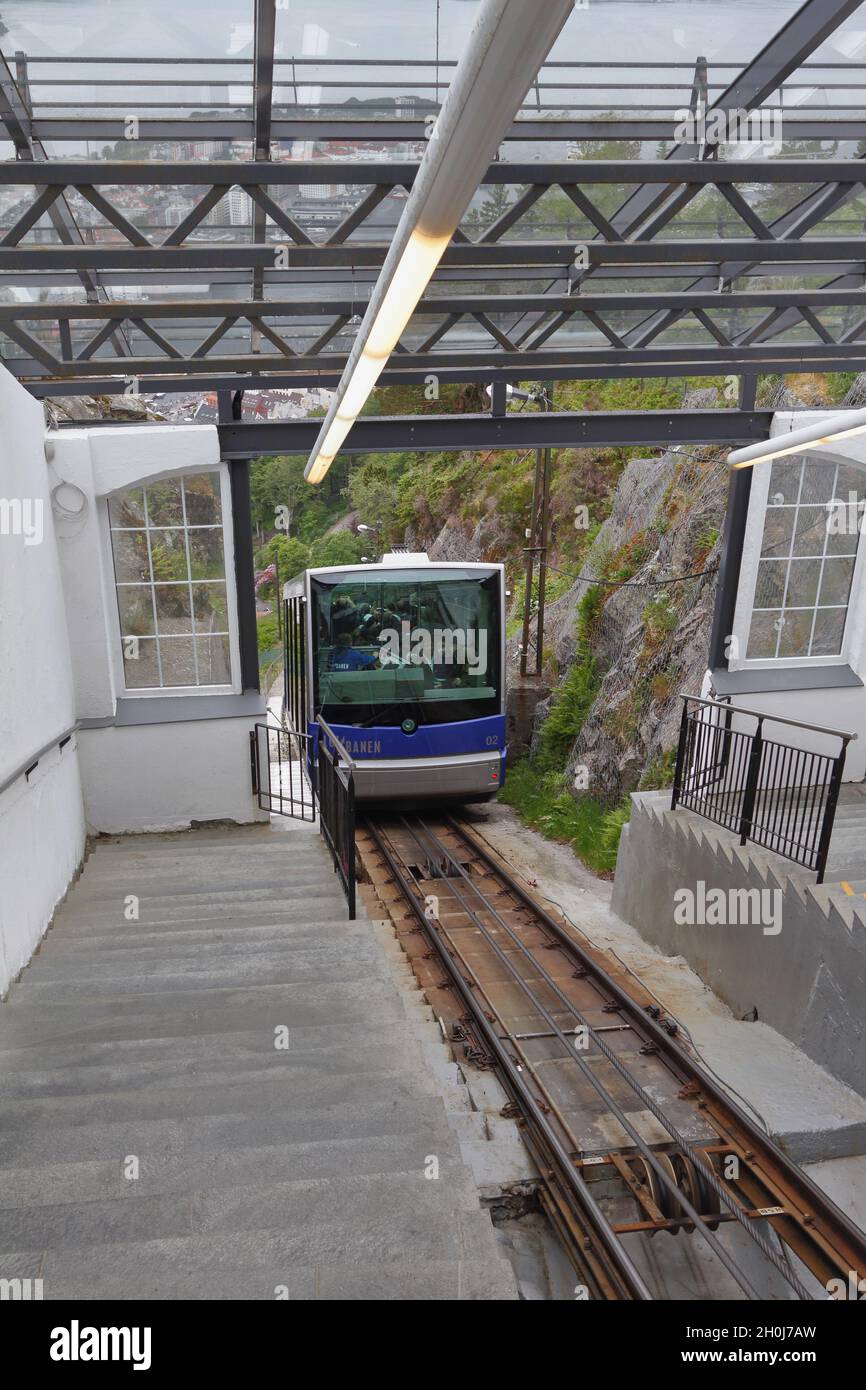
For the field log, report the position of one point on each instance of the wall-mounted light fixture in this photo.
(842, 426)
(507, 46)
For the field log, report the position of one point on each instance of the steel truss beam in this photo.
(647, 129)
(524, 430)
(436, 304)
(401, 174)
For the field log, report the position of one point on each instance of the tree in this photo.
(291, 555)
(340, 548)
(277, 482)
(373, 490)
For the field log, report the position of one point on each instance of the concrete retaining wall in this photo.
(808, 981)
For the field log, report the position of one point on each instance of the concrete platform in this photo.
(237, 1095)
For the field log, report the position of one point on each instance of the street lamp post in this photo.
(373, 531)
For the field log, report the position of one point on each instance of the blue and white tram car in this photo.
(405, 661)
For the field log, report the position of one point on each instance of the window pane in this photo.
(178, 661)
(173, 635)
(136, 610)
(829, 630)
(850, 479)
(811, 530)
(763, 634)
(818, 479)
(206, 555)
(168, 549)
(203, 499)
(131, 562)
(803, 583)
(127, 508)
(836, 581)
(795, 634)
(771, 583)
(172, 608)
(843, 530)
(778, 530)
(164, 504)
(140, 665)
(214, 663)
(210, 608)
(808, 554)
(785, 481)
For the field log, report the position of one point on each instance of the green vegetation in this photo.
(538, 790)
(544, 802)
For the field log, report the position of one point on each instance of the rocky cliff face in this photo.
(649, 638)
(81, 409)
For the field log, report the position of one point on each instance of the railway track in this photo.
(631, 1136)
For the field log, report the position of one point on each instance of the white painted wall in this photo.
(164, 776)
(148, 776)
(842, 708)
(58, 666)
(98, 462)
(41, 818)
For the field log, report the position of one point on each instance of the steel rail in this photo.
(821, 1213)
(602, 1091)
(625, 1269)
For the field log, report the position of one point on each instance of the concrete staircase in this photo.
(155, 1140)
(847, 859)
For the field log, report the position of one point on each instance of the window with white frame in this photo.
(170, 569)
(808, 553)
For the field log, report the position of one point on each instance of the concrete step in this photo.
(53, 1060)
(235, 836)
(313, 897)
(451, 1258)
(168, 1073)
(355, 957)
(226, 1010)
(165, 986)
(326, 907)
(234, 886)
(157, 850)
(169, 862)
(261, 1095)
(347, 1202)
(176, 940)
(63, 1184)
(71, 1141)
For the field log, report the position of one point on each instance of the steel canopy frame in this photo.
(661, 330)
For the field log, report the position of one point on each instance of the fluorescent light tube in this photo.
(508, 44)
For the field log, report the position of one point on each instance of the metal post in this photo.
(254, 760)
(681, 753)
(544, 526)
(537, 486)
(277, 599)
(748, 811)
(830, 812)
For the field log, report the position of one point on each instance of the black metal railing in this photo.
(279, 762)
(335, 785)
(781, 796)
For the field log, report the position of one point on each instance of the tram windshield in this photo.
(407, 646)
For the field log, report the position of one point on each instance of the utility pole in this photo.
(538, 536)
